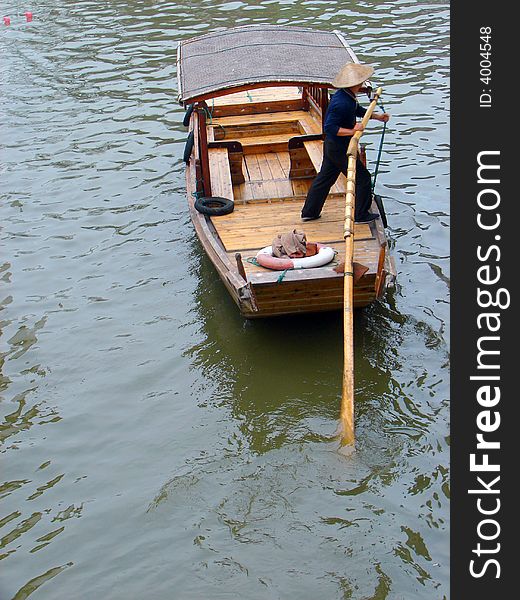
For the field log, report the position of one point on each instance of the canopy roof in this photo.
(218, 63)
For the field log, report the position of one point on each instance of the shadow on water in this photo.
(281, 377)
(274, 481)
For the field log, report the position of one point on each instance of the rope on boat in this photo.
(253, 261)
(376, 170)
(195, 194)
(209, 115)
(282, 275)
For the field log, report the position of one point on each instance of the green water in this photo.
(156, 445)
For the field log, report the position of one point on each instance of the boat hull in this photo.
(268, 180)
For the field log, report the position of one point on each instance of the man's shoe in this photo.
(310, 218)
(368, 218)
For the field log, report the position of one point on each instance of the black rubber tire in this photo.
(188, 148)
(214, 206)
(379, 203)
(187, 116)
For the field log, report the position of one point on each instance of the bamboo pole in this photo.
(347, 399)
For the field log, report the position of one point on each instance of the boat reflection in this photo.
(281, 377)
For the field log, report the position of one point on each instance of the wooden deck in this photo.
(266, 159)
(251, 227)
(269, 198)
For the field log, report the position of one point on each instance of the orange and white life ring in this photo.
(265, 258)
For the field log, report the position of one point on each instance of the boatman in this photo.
(340, 125)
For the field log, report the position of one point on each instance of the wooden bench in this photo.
(269, 132)
(220, 173)
(235, 155)
(259, 100)
(315, 151)
(301, 165)
(265, 143)
(308, 124)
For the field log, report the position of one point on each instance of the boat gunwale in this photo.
(241, 284)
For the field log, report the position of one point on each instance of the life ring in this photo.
(214, 206)
(265, 258)
(187, 116)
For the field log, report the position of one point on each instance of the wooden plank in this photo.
(264, 119)
(272, 199)
(282, 184)
(312, 304)
(265, 143)
(271, 140)
(257, 185)
(332, 209)
(239, 193)
(269, 187)
(252, 167)
(285, 161)
(289, 212)
(275, 165)
(301, 166)
(246, 108)
(254, 241)
(315, 152)
(267, 276)
(220, 173)
(289, 128)
(282, 198)
(204, 160)
(309, 124)
(247, 88)
(272, 130)
(280, 292)
(259, 100)
(260, 94)
(259, 235)
(334, 303)
(265, 171)
(301, 186)
(306, 303)
(298, 121)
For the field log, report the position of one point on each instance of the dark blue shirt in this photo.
(342, 112)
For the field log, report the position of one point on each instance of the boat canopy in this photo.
(225, 61)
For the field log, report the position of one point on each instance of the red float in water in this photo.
(28, 16)
(7, 20)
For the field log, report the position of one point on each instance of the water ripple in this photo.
(138, 409)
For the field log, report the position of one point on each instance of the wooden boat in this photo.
(256, 98)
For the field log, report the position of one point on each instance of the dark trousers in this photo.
(335, 162)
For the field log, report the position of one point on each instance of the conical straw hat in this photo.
(352, 74)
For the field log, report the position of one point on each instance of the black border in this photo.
(475, 129)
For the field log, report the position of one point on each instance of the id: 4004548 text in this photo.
(485, 67)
